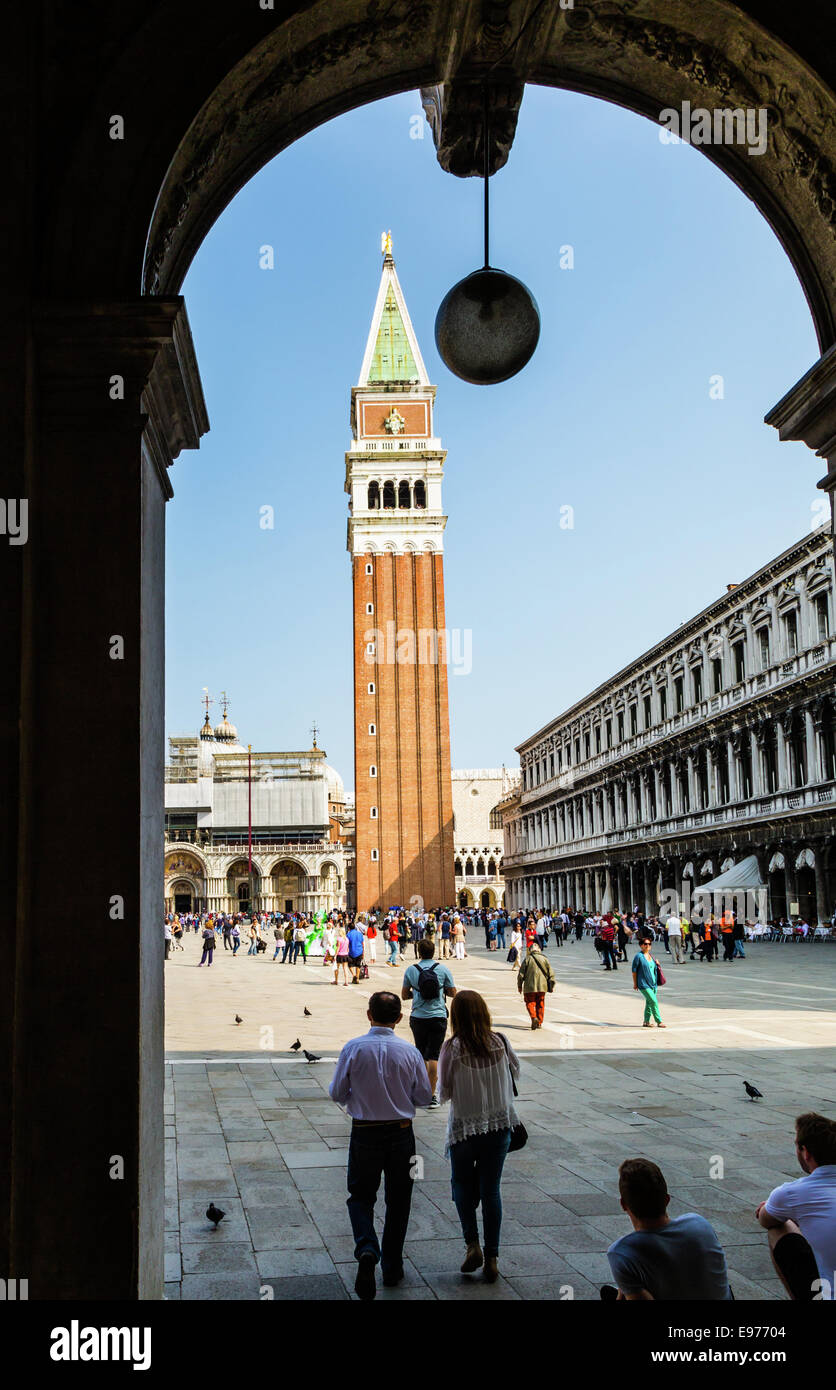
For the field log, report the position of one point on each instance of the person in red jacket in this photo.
(393, 936)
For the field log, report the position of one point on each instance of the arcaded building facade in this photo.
(714, 746)
(478, 835)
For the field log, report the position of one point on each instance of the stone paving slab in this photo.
(255, 1131)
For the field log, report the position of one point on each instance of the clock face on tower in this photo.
(394, 422)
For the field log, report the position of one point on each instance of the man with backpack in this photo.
(427, 983)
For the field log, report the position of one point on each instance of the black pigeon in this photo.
(294, 1047)
(307, 1012)
(752, 1092)
(214, 1214)
(312, 1057)
(238, 1018)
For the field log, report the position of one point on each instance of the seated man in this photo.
(800, 1216)
(673, 1259)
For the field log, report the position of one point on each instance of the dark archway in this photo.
(91, 294)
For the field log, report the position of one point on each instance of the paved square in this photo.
(251, 1127)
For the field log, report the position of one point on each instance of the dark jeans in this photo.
(300, 946)
(375, 1150)
(500, 937)
(208, 951)
(477, 1165)
(608, 954)
(288, 947)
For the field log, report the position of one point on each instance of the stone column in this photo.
(757, 770)
(732, 766)
(791, 877)
(112, 396)
(782, 758)
(649, 889)
(823, 908)
(813, 772)
(692, 783)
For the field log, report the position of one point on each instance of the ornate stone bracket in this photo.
(808, 413)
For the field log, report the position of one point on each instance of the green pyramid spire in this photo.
(392, 359)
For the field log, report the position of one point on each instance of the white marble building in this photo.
(477, 834)
(715, 746)
(296, 800)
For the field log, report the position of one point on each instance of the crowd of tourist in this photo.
(380, 1080)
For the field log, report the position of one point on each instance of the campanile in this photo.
(393, 475)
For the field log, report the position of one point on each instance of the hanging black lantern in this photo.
(487, 325)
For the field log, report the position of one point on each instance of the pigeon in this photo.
(238, 1018)
(294, 1047)
(752, 1092)
(308, 1013)
(215, 1214)
(311, 1056)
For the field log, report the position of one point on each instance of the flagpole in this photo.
(250, 825)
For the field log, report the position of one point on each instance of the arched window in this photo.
(389, 495)
(468, 869)
(492, 868)
(480, 868)
(374, 496)
(420, 494)
(458, 868)
(404, 499)
(495, 820)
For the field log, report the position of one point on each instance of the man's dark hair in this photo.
(642, 1188)
(426, 947)
(385, 1007)
(817, 1135)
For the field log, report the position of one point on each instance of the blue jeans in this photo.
(393, 952)
(300, 946)
(739, 951)
(253, 949)
(376, 1150)
(477, 1165)
(500, 937)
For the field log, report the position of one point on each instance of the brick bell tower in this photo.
(393, 475)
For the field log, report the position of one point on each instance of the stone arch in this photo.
(190, 863)
(334, 56)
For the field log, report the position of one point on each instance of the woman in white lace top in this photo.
(475, 1074)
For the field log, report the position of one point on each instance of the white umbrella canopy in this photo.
(739, 878)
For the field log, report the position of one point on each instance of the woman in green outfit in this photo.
(645, 978)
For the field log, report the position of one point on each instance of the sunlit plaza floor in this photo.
(250, 1126)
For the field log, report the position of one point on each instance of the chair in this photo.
(788, 934)
(821, 934)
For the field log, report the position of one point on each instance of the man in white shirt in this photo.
(380, 1079)
(674, 927)
(800, 1216)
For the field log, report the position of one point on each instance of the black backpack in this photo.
(429, 985)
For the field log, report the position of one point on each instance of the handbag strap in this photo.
(508, 1059)
(538, 962)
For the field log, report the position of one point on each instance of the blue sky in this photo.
(676, 278)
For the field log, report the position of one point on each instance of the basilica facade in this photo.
(714, 748)
(219, 794)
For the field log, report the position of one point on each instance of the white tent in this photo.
(740, 878)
